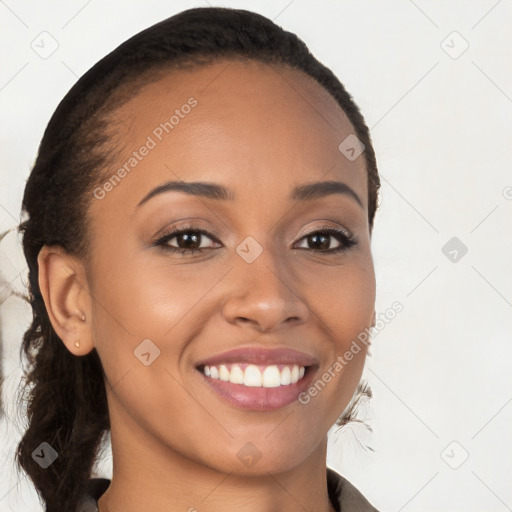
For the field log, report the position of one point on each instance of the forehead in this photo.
(245, 124)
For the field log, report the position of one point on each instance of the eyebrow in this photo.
(305, 192)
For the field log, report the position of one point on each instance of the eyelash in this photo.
(346, 240)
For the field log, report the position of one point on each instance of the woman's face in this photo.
(269, 274)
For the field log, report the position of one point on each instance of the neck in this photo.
(150, 476)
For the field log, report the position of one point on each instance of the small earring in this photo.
(83, 317)
(77, 343)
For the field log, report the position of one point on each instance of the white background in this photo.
(441, 370)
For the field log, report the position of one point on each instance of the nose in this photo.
(264, 294)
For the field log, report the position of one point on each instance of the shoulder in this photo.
(342, 494)
(347, 497)
(95, 488)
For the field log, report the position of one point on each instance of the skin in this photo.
(260, 131)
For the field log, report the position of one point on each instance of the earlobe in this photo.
(66, 297)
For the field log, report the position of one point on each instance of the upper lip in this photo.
(259, 355)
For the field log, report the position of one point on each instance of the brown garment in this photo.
(343, 495)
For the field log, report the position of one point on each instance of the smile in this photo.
(250, 375)
(258, 378)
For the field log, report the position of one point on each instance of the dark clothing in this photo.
(343, 495)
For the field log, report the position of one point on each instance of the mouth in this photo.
(258, 379)
(251, 375)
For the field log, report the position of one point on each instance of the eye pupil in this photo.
(187, 238)
(324, 244)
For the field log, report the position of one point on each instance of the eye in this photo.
(189, 240)
(320, 238)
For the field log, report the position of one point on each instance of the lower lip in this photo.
(259, 398)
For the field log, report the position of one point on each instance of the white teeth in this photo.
(295, 374)
(237, 375)
(271, 377)
(223, 373)
(252, 376)
(286, 376)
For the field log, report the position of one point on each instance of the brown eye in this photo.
(188, 240)
(319, 240)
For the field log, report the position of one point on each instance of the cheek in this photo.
(145, 296)
(138, 299)
(344, 300)
(344, 307)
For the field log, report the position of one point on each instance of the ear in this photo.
(64, 288)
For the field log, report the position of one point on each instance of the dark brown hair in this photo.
(65, 394)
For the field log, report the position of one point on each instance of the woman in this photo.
(198, 240)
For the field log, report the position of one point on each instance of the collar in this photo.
(343, 495)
